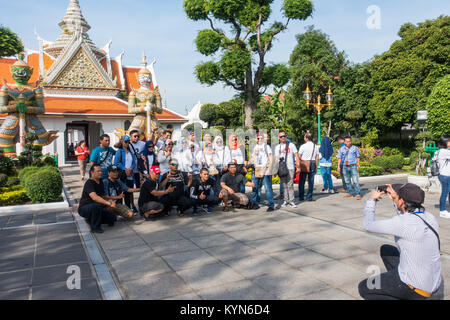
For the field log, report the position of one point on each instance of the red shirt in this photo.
(81, 150)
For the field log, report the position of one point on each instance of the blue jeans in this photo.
(344, 185)
(445, 183)
(351, 176)
(301, 183)
(326, 176)
(256, 194)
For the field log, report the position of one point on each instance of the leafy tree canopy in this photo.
(10, 43)
(438, 106)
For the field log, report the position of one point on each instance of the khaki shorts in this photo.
(240, 198)
(151, 206)
(122, 210)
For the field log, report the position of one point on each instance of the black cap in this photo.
(112, 168)
(410, 192)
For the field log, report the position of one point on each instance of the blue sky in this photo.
(162, 29)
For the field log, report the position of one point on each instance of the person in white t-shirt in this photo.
(288, 152)
(444, 174)
(165, 156)
(308, 151)
(262, 160)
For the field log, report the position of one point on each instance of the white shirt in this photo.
(291, 151)
(444, 162)
(222, 157)
(237, 155)
(306, 151)
(139, 147)
(164, 161)
(260, 156)
(128, 162)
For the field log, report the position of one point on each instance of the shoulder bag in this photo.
(305, 165)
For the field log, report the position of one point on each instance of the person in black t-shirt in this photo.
(93, 207)
(178, 180)
(148, 202)
(231, 186)
(201, 194)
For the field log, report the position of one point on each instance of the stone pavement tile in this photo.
(65, 257)
(341, 234)
(160, 236)
(43, 276)
(366, 243)
(213, 240)
(254, 266)
(232, 251)
(250, 235)
(187, 296)
(241, 290)
(329, 294)
(45, 218)
(300, 257)
(4, 221)
(363, 262)
(58, 245)
(15, 280)
(172, 246)
(16, 251)
(307, 239)
(209, 275)
(121, 243)
(156, 287)
(230, 226)
(333, 214)
(273, 244)
(69, 228)
(196, 231)
(114, 255)
(188, 259)
(16, 263)
(337, 250)
(20, 294)
(113, 233)
(289, 284)
(351, 289)
(135, 267)
(59, 291)
(17, 233)
(355, 223)
(334, 273)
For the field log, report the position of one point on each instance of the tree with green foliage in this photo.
(404, 76)
(10, 43)
(438, 106)
(241, 62)
(227, 114)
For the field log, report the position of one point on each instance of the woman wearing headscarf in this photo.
(193, 159)
(178, 153)
(149, 156)
(164, 157)
(221, 158)
(325, 156)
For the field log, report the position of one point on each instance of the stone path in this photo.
(37, 250)
(315, 251)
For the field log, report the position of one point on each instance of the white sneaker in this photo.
(324, 191)
(332, 191)
(445, 214)
(292, 205)
(284, 205)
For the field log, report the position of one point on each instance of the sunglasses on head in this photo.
(282, 137)
(174, 164)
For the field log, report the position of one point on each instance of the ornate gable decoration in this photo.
(77, 66)
(80, 73)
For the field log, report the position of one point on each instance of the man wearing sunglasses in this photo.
(287, 152)
(180, 182)
(149, 204)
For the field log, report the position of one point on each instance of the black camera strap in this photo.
(432, 229)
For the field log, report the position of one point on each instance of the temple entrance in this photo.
(75, 132)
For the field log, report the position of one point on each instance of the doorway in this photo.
(75, 132)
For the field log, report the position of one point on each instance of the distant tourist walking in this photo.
(262, 175)
(103, 155)
(82, 152)
(444, 174)
(308, 160)
(325, 156)
(340, 141)
(350, 157)
(286, 152)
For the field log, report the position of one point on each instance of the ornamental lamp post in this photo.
(318, 106)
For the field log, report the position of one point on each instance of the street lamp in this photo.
(318, 106)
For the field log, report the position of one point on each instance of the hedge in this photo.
(369, 171)
(13, 182)
(44, 186)
(3, 179)
(13, 197)
(27, 172)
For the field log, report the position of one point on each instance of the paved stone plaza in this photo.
(315, 251)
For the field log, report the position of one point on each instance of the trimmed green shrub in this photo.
(49, 161)
(13, 197)
(370, 171)
(13, 182)
(396, 161)
(26, 172)
(382, 162)
(3, 179)
(9, 189)
(6, 165)
(44, 186)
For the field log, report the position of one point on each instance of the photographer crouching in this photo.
(414, 265)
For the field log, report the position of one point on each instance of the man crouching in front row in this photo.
(230, 183)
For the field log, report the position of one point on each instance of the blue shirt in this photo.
(103, 158)
(350, 156)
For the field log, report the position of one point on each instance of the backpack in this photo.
(434, 165)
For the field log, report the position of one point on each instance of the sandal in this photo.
(180, 213)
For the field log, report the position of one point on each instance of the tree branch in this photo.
(214, 29)
(238, 87)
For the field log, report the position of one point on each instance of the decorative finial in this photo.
(144, 69)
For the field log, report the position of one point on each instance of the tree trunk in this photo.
(250, 106)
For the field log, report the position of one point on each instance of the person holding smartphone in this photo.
(414, 263)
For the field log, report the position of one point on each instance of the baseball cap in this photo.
(126, 138)
(155, 169)
(112, 168)
(409, 192)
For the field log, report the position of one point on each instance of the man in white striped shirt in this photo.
(414, 266)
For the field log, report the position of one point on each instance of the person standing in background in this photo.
(444, 174)
(325, 156)
(340, 141)
(103, 155)
(82, 152)
(350, 157)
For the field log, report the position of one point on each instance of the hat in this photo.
(126, 138)
(409, 192)
(112, 168)
(155, 169)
